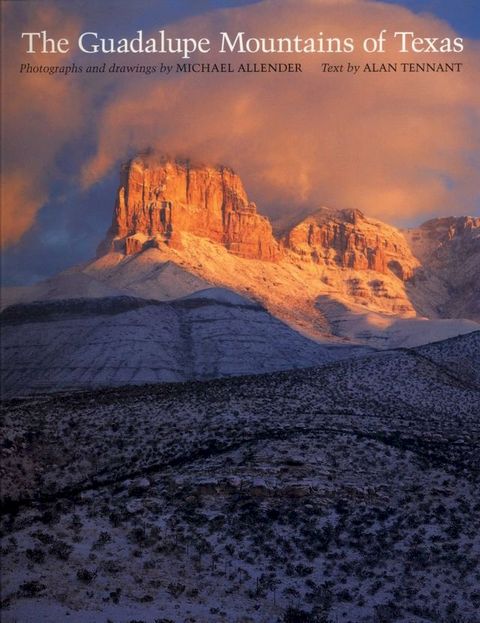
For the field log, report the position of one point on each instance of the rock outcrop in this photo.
(166, 205)
(345, 238)
(160, 198)
(434, 240)
(449, 251)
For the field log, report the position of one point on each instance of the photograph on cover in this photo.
(240, 311)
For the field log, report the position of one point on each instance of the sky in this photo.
(402, 148)
(462, 15)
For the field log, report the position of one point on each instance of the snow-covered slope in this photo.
(83, 343)
(69, 284)
(323, 303)
(320, 301)
(458, 355)
(387, 331)
(111, 275)
(350, 490)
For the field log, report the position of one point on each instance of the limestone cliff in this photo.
(346, 239)
(160, 198)
(168, 204)
(447, 283)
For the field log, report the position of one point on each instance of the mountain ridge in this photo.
(334, 275)
(160, 197)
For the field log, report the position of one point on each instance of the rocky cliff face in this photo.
(345, 238)
(449, 251)
(442, 238)
(158, 199)
(201, 216)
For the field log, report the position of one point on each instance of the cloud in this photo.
(40, 114)
(398, 146)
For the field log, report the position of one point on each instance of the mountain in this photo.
(335, 276)
(347, 239)
(139, 275)
(158, 199)
(447, 282)
(84, 343)
(193, 213)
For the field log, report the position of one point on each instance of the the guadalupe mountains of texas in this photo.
(191, 282)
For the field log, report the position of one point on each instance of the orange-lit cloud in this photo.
(397, 146)
(39, 114)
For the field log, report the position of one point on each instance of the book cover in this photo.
(240, 313)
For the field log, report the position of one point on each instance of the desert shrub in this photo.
(115, 595)
(294, 615)
(384, 613)
(175, 589)
(43, 537)
(344, 595)
(32, 588)
(61, 550)
(103, 538)
(85, 575)
(76, 523)
(36, 554)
